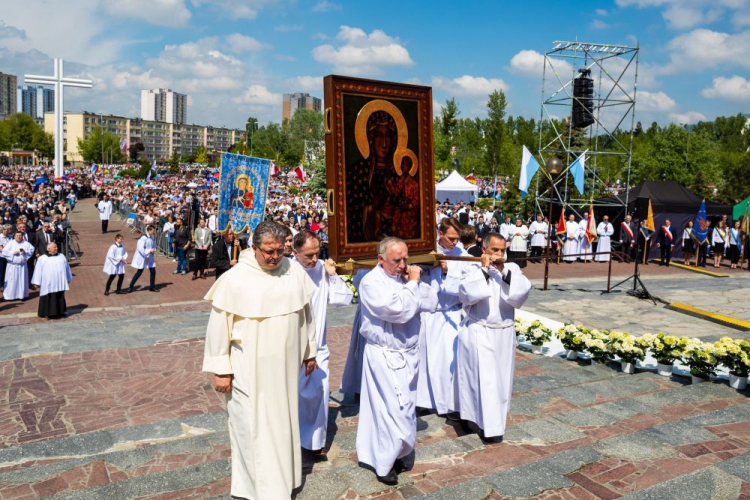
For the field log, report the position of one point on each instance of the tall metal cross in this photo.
(60, 82)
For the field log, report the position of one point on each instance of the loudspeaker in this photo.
(641, 207)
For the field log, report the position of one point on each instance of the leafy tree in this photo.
(318, 182)
(100, 147)
(495, 133)
(174, 164)
(21, 131)
(250, 127)
(201, 155)
(449, 117)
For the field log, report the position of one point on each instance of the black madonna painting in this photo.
(379, 165)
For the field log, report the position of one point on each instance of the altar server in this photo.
(260, 331)
(604, 230)
(314, 389)
(105, 212)
(114, 264)
(392, 300)
(52, 275)
(144, 258)
(584, 245)
(538, 231)
(437, 338)
(17, 253)
(351, 380)
(572, 242)
(487, 339)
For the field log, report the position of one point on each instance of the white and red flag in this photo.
(274, 169)
(300, 171)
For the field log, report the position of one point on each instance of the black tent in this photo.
(669, 200)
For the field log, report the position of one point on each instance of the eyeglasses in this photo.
(273, 253)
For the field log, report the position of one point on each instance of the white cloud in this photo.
(437, 108)
(600, 12)
(530, 63)
(320, 36)
(655, 101)
(171, 13)
(325, 6)
(312, 84)
(741, 19)
(687, 117)
(701, 49)
(243, 43)
(682, 17)
(468, 85)
(235, 9)
(735, 88)
(258, 95)
(284, 57)
(134, 78)
(288, 28)
(598, 24)
(362, 53)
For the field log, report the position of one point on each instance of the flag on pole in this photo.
(152, 169)
(300, 171)
(700, 225)
(577, 170)
(591, 228)
(647, 226)
(274, 169)
(562, 229)
(94, 168)
(123, 144)
(529, 166)
(470, 177)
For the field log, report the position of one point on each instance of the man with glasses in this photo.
(260, 332)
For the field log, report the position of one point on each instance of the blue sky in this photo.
(234, 58)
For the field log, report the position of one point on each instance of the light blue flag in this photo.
(577, 169)
(529, 166)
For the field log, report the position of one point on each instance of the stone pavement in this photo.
(117, 409)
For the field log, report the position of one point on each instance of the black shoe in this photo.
(106, 292)
(391, 479)
(130, 290)
(153, 290)
(490, 440)
(121, 292)
(399, 466)
(421, 412)
(453, 416)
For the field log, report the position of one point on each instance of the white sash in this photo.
(667, 232)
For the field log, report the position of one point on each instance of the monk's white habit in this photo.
(572, 243)
(351, 380)
(260, 330)
(391, 321)
(51, 274)
(487, 344)
(604, 230)
(16, 285)
(314, 390)
(438, 339)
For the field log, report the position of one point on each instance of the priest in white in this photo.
(17, 252)
(572, 234)
(437, 338)
(114, 264)
(392, 299)
(260, 332)
(52, 275)
(314, 390)
(105, 212)
(538, 231)
(351, 380)
(604, 230)
(487, 339)
(584, 245)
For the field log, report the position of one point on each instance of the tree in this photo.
(318, 182)
(494, 132)
(174, 164)
(250, 127)
(449, 117)
(134, 149)
(306, 135)
(100, 147)
(21, 131)
(201, 154)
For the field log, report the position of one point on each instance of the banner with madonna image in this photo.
(243, 187)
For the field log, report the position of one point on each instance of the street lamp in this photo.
(553, 167)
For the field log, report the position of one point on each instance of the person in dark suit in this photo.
(482, 230)
(628, 237)
(44, 236)
(225, 252)
(468, 238)
(665, 241)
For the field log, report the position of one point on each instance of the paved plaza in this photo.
(109, 403)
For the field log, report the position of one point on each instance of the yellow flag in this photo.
(649, 222)
(745, 227)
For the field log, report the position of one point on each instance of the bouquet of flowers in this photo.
(734, 354)
(625, 346)
(570, 336)
(595, 342)
(537, 333)
(665, 348)
(522, 326)
(348, 279)
(699, 356)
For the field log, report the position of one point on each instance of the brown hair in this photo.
(450, 222)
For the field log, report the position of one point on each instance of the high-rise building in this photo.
(8, 84)
(293, 102)
(35, 101)
(163, 105)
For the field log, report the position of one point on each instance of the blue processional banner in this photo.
(243, 187)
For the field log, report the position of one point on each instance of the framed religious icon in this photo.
(379, 166)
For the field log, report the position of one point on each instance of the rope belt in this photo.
(395, 360)
(496, 326)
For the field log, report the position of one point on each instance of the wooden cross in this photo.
(59, 82)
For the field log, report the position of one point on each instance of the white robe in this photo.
(390, 322)
(143, 258)
(538, 239)
(51, 274)
(571, 245)
(438, 339)
(506, 230)
(605, 230)
(105, 209)
(113, 263)
(487, 344)
(314, 390)
(351, 380)
(260, 330)
(584, 246)
(16, 285)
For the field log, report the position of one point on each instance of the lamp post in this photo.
(553, 167)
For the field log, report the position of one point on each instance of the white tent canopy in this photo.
(455, 188)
